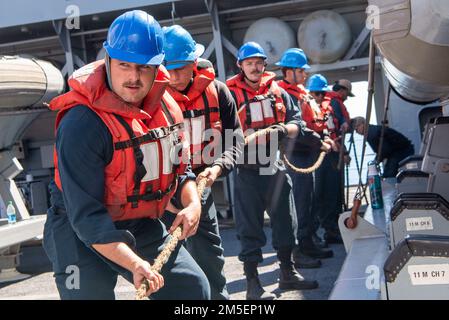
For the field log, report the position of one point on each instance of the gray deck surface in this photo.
(42, 286)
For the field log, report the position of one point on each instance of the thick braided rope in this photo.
(163, 257)
(252, 137)
(309, 170)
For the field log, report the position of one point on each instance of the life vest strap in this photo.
(188, 114)
(138, 157)
(206, 109)
(152, 135)
(150, 195)
(320, 120)
(248, 111)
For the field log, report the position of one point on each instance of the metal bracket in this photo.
(66, 43)
(211, 6)
(10, 167)
(9, 260)
(229, 46)
(364, 229)
(173, 12)
(226, 43)
(445, 106)
(210, 48)
(77, 62)
(357, 44)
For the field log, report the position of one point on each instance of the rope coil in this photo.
(164, 255)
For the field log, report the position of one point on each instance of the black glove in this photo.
(281, 130)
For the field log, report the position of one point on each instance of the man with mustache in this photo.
(119, 159)
(261, 104)
(209, 112)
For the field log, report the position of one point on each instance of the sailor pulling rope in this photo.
(163, 257)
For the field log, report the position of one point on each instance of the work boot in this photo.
(254, 290)
(320, 243)
(309, 248)
(290, 279)
(333, 236)
(304, 262)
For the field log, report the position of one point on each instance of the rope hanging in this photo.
(351, 222)
(308, 170)
(267, 131)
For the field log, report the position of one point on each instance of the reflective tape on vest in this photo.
(151, 156)
(261, 110)
(198, 125)
(167, 146)
(150, 161)
(330, 122)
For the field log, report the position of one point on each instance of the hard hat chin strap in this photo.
(107, 63)
(295, 79)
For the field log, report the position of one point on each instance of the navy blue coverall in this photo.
(395, 148)
(303, 155)
(205, 246)
(256, 193)
(77, 219)
(328, 201)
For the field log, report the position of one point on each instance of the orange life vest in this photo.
(148, 143)
(311, 113)
(333, 123)
(258, 109)
(201, 111)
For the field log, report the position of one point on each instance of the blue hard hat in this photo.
(250, 50)
(293, 58)
(180, 48)
(135, 37)
(317, 83)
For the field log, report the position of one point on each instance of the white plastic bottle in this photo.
(11, 212)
